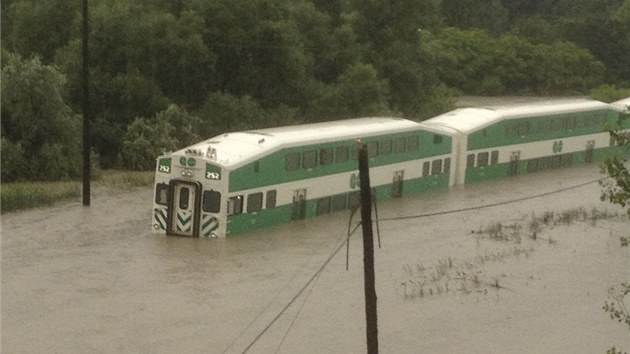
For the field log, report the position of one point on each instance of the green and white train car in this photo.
(239, 182)
(502, 141)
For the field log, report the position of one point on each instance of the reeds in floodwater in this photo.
(26, 195)
(19, 196)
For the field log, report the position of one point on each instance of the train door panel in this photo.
(590, 147)
(514, 162)
(397, 184)
(184, 209)
(299, 205)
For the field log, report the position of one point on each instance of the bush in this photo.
(609, 93)
(144, 141)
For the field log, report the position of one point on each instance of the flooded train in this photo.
(243, 181)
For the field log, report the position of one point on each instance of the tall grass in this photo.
(26, 195)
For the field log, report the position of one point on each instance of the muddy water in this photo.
(78, 280)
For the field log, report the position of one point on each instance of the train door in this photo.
(590, 147)
(397, 184)
(184, 208)
(299, 205)
(514, 162)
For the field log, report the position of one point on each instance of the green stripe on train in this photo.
(533, 129)
(540, 164)
(244, 223)
(270, 170)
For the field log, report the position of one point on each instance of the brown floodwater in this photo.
(95, 279)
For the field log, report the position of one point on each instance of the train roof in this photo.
(621, 105)
(467, 120)
(238, 148)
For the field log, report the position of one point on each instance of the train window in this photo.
(400, 145)
(412, 143)
(570, 123)
(436, 167)
(184, 198)
(254, 202)
(510, 129)
(310, 159)
(532, 165)
(372, 149)
(579, 122)
(270, 201)
(494, 157)
(558, 124)
(342, 154)
(437, 139)
(339, 202)
(470, 161)
(235, 205)
(161, 193)
(522, 128)
(482, 159)
(548, 125)
(326, 156)
(534, 127)
(355, 151)
(292, 161)
(323, 206)
(447, 165)
(211, 201)
(426, 167)
(386, 147)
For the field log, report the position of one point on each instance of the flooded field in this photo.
(518, 277)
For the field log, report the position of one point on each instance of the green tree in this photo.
(40, 133)
(223, 113)
(171, 129)
(260, 49)
(477, 63)
(39, 28)
(145, 140)
(390, 33)
(489, 15)
(358, 92)
(142, 60)
(601, 26)
(535, 29)
(565, 67)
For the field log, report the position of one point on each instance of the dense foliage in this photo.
(163, 69)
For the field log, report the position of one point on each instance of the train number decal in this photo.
(213, 175)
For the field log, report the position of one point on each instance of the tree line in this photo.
(166, 73)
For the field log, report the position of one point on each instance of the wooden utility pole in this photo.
(86, 109)
(368, 252)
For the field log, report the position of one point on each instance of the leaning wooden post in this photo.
(368, 252)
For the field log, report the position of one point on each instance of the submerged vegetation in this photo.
(516, 240)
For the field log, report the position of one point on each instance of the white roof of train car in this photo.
(467, 120)
(622, 105)
(236, 149)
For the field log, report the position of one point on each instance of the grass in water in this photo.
(26, 195)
